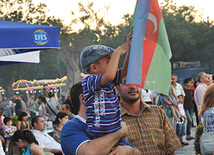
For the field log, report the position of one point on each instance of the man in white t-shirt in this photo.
(178, 89)
(43, 138)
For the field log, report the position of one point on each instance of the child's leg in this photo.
(7, 145)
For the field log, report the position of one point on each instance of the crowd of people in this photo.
(102, 114)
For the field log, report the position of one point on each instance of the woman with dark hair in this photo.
(61, 119)
(52, 106)
(42, 102)
(22, 123)
(27, 141)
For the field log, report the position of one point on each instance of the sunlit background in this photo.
(117, 8)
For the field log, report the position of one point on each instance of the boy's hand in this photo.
(122, 49)
(129, 38)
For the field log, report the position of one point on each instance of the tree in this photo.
(189, 40)
(95, 31)
(26, 11)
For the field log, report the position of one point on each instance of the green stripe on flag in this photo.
(133, 18)
(159, 74)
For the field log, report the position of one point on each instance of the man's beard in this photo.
(131, 100)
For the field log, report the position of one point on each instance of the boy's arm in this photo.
(125, 66)
(112, 67)
(126, 61)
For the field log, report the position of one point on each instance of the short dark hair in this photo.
(187, 80)
(42, 97)
(67, 106)
(75, 92)
(51, 94)
(45, 85)
(35, 120)
(7, 119)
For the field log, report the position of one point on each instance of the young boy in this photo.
(8, 131)
(189, 106)
(101, 100)
(180, 128)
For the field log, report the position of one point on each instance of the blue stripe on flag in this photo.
(136, 53)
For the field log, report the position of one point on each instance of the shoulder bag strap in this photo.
(51, 109)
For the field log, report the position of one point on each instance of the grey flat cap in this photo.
(93, 53)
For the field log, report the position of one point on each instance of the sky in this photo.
(63, 8)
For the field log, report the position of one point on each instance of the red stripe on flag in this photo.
(151, 37)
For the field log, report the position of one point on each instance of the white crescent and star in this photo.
(154, 20)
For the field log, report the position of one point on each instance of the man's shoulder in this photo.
(156, 109)
(73, 124)
(178, 85)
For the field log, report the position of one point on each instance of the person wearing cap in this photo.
(101, 100)
(74, 138)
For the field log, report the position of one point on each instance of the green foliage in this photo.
(198, 133)
(189, 40)
(14, 119)
(51, 66)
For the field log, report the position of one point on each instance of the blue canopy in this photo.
(19, 38)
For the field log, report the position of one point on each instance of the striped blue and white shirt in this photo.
(102, 104)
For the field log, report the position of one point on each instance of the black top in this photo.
(188, 100)
(18, 105)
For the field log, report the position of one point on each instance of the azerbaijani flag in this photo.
(149, 65)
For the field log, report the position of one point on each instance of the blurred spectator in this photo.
(42, 111)
(22, 122)
(31, 104)
(23, 104)
(147, 96)
(203, 79)
(189, 106)
(1, 143)
(17, 104)
(1, 106)
(43, 138)
(11, 106)
(207, 108)
(7, 105)
(61, 119)
(9, 130)
(52, 106)
(46, 90)
(67, 109)
(27, 141)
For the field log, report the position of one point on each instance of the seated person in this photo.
(61, 119)
(67, 108)
(74, 138)
(22, 122)
(27, 141)
(43, 138)
(8, 131)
